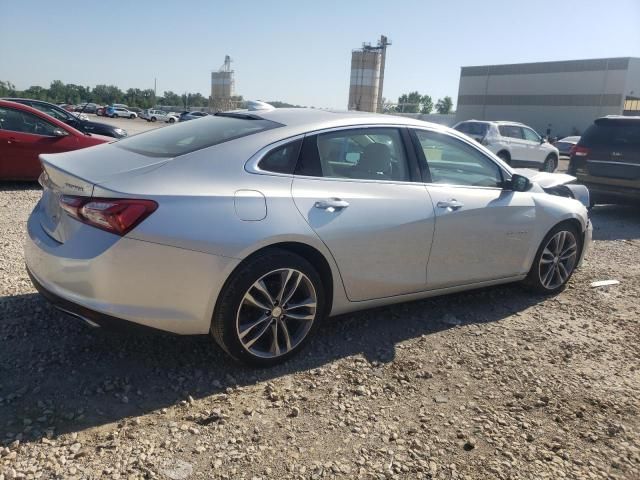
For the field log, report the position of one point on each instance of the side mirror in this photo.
(517, 183)
(59, 132)
(542, 140)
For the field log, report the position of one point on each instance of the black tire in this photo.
(550, 164)
(132, 117)
(153, 119)
(223, 324)
(172, 120)
(534, 280)
(504, 156)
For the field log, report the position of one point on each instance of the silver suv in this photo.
(515, 143)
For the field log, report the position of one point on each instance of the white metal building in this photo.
(561, 97)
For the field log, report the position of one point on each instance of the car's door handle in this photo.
(452, 204)
(331, 204)
(13, 140)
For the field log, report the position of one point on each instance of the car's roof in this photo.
(310, 117)
(574, 138)
(496, 122)
(33, 100)
(38, 113)
(617, 119)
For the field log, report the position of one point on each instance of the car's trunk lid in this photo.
(76, 174)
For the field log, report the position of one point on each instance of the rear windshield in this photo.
(614, 134)
(474, 128)
(183, 138)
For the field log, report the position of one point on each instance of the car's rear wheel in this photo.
(132, 117)
(550, 164)
(269, 308)
(555, 260)
(504, 156)
(153, 119)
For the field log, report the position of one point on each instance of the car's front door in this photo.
(23, 136)
(359, 190)
(482, 232)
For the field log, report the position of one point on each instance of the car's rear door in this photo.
(482, 231)
(514, 137)
(359, 189)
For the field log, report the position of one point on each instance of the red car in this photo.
(26, 132)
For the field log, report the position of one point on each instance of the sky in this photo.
(299, 51)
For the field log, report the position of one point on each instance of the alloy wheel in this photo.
(276, 313)
(558, 259)
(550, 165)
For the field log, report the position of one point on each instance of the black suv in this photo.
(607, 159)
(70, 119)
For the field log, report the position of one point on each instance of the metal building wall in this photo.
(365, 80)
(222, 84)
(562, 96)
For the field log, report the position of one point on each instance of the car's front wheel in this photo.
(269, 308)
(132, 117)
(153, 119)
(549, 164)
(172, 120)
(556, 259)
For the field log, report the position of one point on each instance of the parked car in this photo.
(80, 115)
(515, 143)
(336, 212)
(186, 116)
(71, 120)
(67, 106)
(135, 110)
(86, 108)
(26, 132)
(122, 112)
(154, 115)
(565, 144)
(607, 159)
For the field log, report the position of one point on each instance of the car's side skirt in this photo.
(379, 302)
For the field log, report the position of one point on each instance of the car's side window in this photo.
(24, 122)
(282, 159)
(511, 131)
(359, 153)
(453, 162)
(52, 111)
(530, 135)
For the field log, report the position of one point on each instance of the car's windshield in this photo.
(191, 136)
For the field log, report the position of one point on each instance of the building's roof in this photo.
(594, 64)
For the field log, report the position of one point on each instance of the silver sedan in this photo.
(254, 226)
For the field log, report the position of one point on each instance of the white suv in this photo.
(152, 115)
(515, 143)
(123, 112)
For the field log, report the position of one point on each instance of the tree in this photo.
(444, 105)
(409, 102)
(171, 99)
(427, 104)
(7, 89)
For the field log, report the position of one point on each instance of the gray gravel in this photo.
(488, 384)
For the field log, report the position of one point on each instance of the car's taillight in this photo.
(115, 215)
(579, 151)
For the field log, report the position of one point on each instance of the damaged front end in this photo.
(559, 184)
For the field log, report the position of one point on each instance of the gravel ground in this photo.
(495, 383)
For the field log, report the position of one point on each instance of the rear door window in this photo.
(186, 137)
(282, 159)
(511, 131)
(359, 153)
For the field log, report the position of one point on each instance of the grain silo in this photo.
(222, 86)
(367, 76)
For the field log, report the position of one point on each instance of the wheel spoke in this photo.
(251, 300)
(548, 276)
(547, 256)
(293, 289)
(308, 303)
(262, 331)
(262, 288)
(285, 277)
(569, 252)
(275, 347)
(285, 334)
(253, 325)
(559, 242)
(294, 316)
(562, 272)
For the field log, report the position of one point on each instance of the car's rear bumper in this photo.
(97, 274)
(602, 193)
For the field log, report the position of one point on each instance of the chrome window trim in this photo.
(610, 162)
